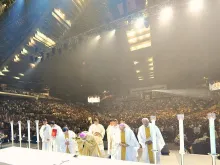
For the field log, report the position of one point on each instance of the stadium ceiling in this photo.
(40, 25)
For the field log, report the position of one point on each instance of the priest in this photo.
(67, 141)
(145, 139)
(125, 144)
(108, 131)
(45, 134)
(98, 131)
(87, 145)
(111, 130)
(56, 135)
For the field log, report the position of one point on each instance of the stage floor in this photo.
(24, 156)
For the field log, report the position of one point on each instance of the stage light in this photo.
(131, 34)
(139, 23)
(151, 68)
(17, 78)
(136, 62)
(5, 69)
(98, 37)
(16, 58)
(21, 74)
(40, 37)
(113, 32)
(24, 51)
(32, 65)
(166, 14)
(150, 59)
(196, 5)
(138, 71)
(1, 74)
(133, 40)
(151, 64)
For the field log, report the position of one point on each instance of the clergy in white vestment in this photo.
(68, 142)
(111, 130)
(145, 139)
(125, 144)
(108, 131)
(56, 135)
(123, 122)
(45, 134)
(98, 131)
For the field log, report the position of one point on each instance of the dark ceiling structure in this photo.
(183, 49)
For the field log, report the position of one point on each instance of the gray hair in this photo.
(145, 119)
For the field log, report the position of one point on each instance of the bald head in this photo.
(145, 122)
(122, 126)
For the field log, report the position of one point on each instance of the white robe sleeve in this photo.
(133, 141)
(90, 129)
(141, 139)
(102, 131)
(160, 141)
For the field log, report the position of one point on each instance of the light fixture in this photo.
(166, 14)
(40, 37)
(16, 77)
(151, 68)
(61, 17)
(112, 33)
(21, 74)
(140, 79)
(150, 59)
(32, 65)
(133, 40)
(98, 37)
(151, 64)
(131, 33)
(136, 62)
(139, 23)
(16, 58)
(24, 51)
(31, 42)
(138, 71)
(196, 5)
(141, 45)
(1, 74)
(152, 77)
(5, 69)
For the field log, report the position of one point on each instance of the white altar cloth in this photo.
(24, 156)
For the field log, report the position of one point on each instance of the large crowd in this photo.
(78, 116)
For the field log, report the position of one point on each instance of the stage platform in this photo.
(24, 156)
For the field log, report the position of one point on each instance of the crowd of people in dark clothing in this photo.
(78, 116)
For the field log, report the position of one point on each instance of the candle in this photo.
(12, 132)
(19, 129)
(181, 133)
(153, 119)
(37, 131)
(29, 134)
(212, 117)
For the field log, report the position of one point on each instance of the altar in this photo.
(25, 156)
